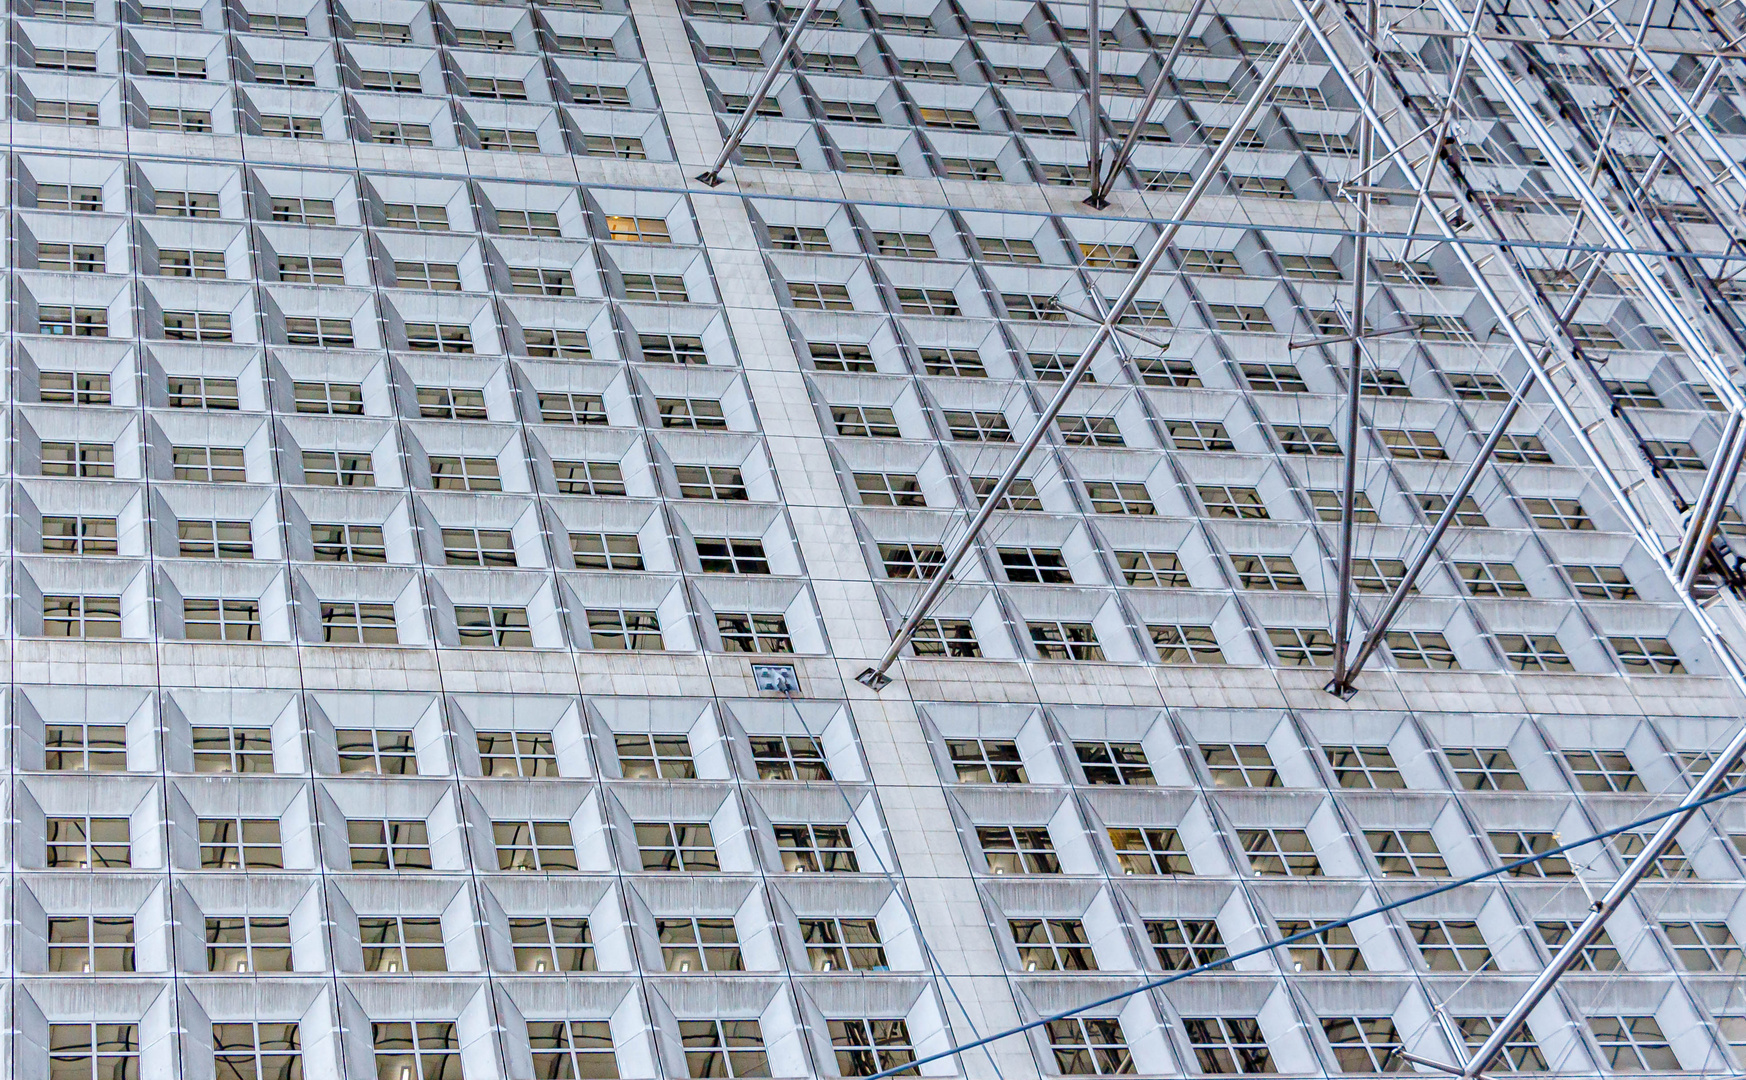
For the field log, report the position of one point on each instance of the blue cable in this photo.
(1311, 932)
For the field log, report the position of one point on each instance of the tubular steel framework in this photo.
(1640, 167)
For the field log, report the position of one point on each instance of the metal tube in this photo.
(875, 676)
(1100, 184)
(1341, 686)
(1727, 470)
(1710, 498)
(1094, 61)
(765, 81)
(1653, 290)
(1360, 269)
(1713, 778)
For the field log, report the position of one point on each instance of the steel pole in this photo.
(875, 676)
(1094, 61)
(1100, 184)
(1341, 686)
(1355, 378)
(744, 124)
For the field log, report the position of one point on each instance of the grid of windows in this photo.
(427, 402)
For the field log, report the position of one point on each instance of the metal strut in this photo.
(1715, 776)
(712, 177)
(1102, 182)
(875, 676)
(1355, 378)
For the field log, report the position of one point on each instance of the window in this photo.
(208, 464)
(1052, 945)
(676, 846)
(986, 761)
(1412, 444)
(1603, 770)
(72, 321)
(302, 211)
(1222, 501)
(1021, 495)
(73, 388)
(723, 1048)
(945, 637)
(81, 616)
(417, 1049)
(1018, 849)
(93, 1051)
(1598, 955)
(1377, 575)
(84, 747)
(1421, 649)
(528, 223)
(478, 547)
(1199, 435)
(624, 147)
(572, 408)
(1646, 656)
(839, 944)
(544, 943)
(820, 295)
(753, 632)
(501, 627)
(320, 333)
(624, 630)
(1279, 852)
(534, 845)
(451, 403)
(1150, 851)
(975, 426)
(1240, 765)
(338, 468)
(449, 473)
(310, 270)
(212, 618)
(1152, 569)
(349, 622)
(1484, 769)
(1669, 454)
(383, 752)
(1181, 944)
(1523, 450)
(90, 943)
(1534, 652)
(1364, 767)
(1275, 572)
(72, 258)
(1303, 439)
(573, 1048)
(1364, 1044)
(188, 121)
(769, 157)
(1333, 949)
(589, 477)
(655, 288)
(66, 59)
(232, 749)
(191, 263)
(240, 844)
(1451, 945)
(841, 356)
(388, 844)
(889, 489)
(1671, 863)
(69, 197)
(1558, 514)
(79, 536)
(1600, 582)
(1515, 844)
(1035, 565)
(1633, 1044)
(517, 753)
(78, 459)
(88, 843)
(1157, 371)
(215, 539)
(438, 337)
(1704, 946)
(1240, 318)
(1491, 579)
(691, 944)
(1327, 506)
(1116, 497)
(913, 300)
(649, 757)
(344, 542)
(1056, 640)
(1519, 1054)
(720, 482)
(789, 757)
(867, 1046)
(1116, 763)
(911, 561)
(1089, 1046)
(807, 848)
(1227, 1045)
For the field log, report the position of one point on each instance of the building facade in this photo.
(409, 460)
